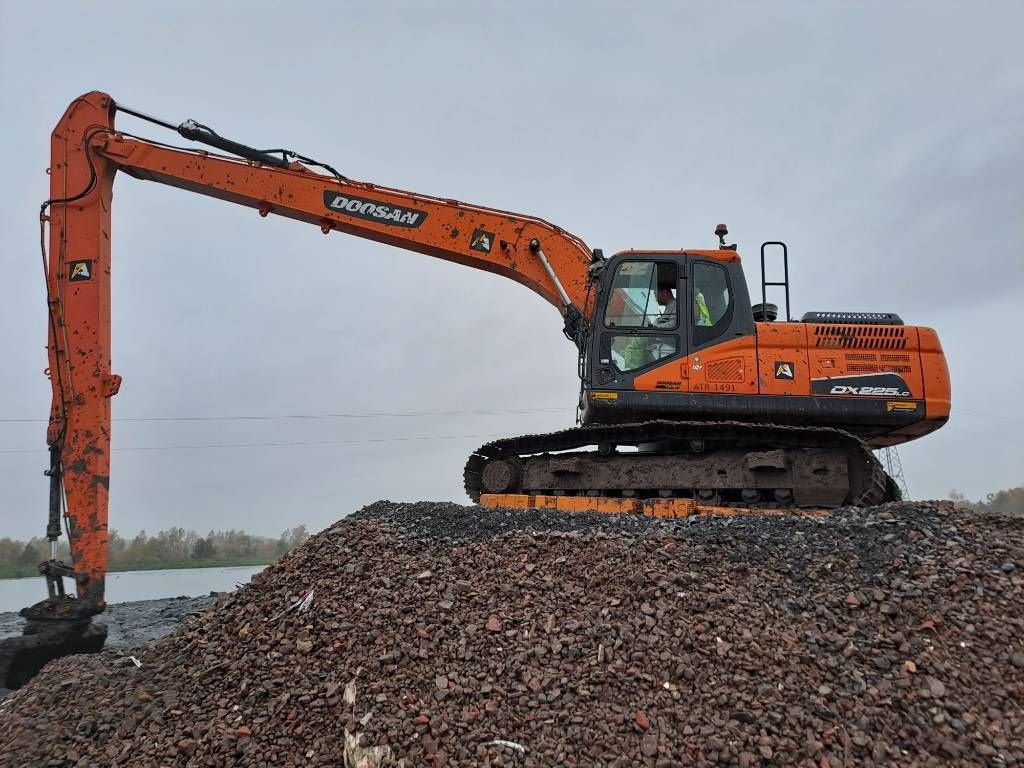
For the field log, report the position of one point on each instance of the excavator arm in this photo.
(87, 152)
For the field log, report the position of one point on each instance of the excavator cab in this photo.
(654, 310)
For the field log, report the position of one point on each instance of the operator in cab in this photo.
(666, 298)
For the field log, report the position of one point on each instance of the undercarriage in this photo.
(722, 464)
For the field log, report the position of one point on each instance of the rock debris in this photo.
(445, 635)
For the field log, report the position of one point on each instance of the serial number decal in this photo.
(713, 387)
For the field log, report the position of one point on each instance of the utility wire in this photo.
(400, 414)
(291, 443)
(988, 435)
(313, 416)
(995, 416)
(282, 444)
(369, 415)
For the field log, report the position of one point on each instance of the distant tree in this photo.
(115, 542)
(41, 547)
(29, 555)
(281, 545)
(191, 538)
(10, 551)
(204, 550)
(1008, 502)
(234, 544)
(169, 545)
(959, 500)
(174, 545)
(290, 539)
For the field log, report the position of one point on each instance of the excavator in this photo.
(691, 398)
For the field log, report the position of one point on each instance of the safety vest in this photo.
(703, 315)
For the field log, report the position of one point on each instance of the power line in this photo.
(397, 414)
(1007, 438)
(996, 416)
(368, 415)
(314, 416)
(282, 444)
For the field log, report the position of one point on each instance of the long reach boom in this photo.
(87, 152)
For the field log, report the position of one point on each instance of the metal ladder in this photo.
(765, 284)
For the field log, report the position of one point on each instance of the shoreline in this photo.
(27, 572)
(131, 624)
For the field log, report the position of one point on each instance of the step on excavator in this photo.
(692, 400)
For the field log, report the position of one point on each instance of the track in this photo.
(834, 466)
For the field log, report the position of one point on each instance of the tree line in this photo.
(1006, 502)
(174, 547)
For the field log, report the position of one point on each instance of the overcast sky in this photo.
(882, 141)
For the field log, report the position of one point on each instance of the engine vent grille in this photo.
(729, 369)
(860, 336)
(876, 368)
(860, 318)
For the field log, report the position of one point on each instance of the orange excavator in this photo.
(689, 395)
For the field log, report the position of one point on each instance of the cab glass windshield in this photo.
(643, 295)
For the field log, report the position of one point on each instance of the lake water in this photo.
(124, 587)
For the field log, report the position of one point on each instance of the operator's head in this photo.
(664, 295)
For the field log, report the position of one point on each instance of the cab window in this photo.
(630, 353)
(711, 302)
(643, 295)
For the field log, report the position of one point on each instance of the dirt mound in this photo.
(442, 635)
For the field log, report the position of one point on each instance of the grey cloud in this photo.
(880, 141)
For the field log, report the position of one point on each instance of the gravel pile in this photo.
(442, 635)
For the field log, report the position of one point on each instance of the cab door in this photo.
(721, 348)
(640, 327)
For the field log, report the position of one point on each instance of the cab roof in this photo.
(715, 255)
